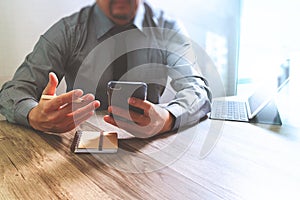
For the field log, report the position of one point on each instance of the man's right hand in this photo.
(60, 114)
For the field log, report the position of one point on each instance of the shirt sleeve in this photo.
(193, 97)
(22, 93)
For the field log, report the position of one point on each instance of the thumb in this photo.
(50, 89)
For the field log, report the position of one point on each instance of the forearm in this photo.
(15, 104)
(191, 103)
(21, 94)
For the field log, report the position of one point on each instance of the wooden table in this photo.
(244, 161)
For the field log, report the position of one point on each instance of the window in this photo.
(214, 26)
(269, 42)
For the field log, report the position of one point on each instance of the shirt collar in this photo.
(139, 17)
(103, 24)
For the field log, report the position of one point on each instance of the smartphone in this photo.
(120, 91)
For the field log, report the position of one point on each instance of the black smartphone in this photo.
(120, 91)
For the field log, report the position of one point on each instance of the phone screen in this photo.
(120, 91)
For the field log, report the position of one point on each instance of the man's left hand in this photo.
(155, 119)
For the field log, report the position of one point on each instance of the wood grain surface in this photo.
(246, 162)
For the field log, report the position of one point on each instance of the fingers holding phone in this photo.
(131, 111)
(153, 121)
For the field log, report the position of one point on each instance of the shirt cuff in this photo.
(22, 110)
(177, 112)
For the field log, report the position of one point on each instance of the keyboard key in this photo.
(229, 110)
